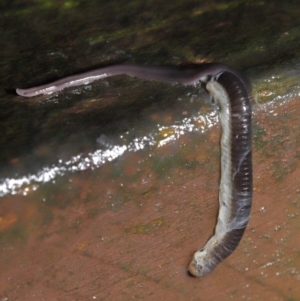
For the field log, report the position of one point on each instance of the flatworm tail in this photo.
(186, 75)
(235, 195)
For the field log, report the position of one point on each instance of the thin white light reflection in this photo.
(101, 156)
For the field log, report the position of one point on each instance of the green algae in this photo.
(146, 228)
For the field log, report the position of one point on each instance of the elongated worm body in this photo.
(187, 75)
(232, 91)
(235, 195)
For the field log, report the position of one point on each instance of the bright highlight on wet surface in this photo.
(159, 137)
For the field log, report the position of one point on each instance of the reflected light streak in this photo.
(99, 157)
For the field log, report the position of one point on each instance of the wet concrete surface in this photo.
(100, 236)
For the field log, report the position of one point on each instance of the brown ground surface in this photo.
(104, 238)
